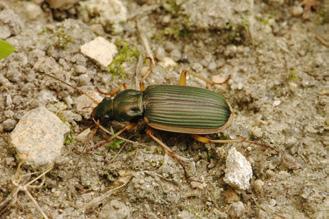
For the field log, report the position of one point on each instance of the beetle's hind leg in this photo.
(206, 140)
(181, 160)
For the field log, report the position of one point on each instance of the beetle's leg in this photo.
(112, 93)
(126, 128)
(206, 140)
(182, 78)
(141, 86)
(181, 160)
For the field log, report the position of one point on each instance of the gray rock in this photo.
(39, 136)
(9, 124)
(115, 210)
(238, 170)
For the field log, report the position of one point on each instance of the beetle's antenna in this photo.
(71, 86)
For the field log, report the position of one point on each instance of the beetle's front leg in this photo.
(128, 127)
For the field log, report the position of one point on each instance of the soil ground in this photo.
(276, 56)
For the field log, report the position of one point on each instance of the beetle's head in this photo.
(126, 106)
(103, 111)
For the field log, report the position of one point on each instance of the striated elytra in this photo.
(171, 108)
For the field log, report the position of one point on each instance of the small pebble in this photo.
(32, 10)
(238, 170)
(230, 51)
(84, 79)
(68, 100)
(169, 46)
(257, 132)
(167, 62)
(276, 102)
(9, 101)
(9, 125)
(46, 96)
(4, 32)
(100, 50)
(160, 53)
(80, 69)
(84, 135)
(176, 55)
(297, 10)
(212, 66)
(8, 113)
(236, 210)
(218, 79)
(197, 67)
(272, 202)
(258, 186)
(185, 215)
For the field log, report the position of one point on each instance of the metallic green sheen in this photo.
(183, 106)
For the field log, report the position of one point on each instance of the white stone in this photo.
(100, 50)
(238, 170)
(276, 102)
(38, 137)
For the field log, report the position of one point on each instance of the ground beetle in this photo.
(172, 108)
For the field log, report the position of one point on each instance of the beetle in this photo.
(172, 108)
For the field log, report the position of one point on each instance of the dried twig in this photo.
(322, 40)
(99, 200)
(148, 50)
(12, 197)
